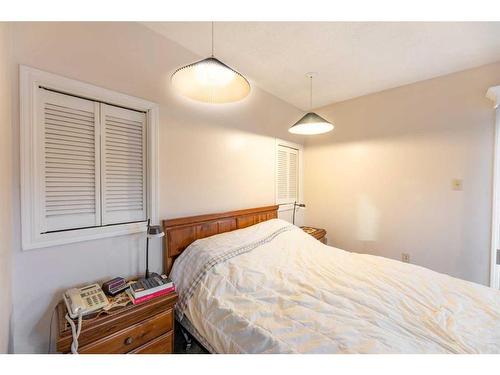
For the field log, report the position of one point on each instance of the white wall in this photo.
(212, 158)
(5, 186)
(380, 183)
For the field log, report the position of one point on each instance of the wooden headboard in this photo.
(181, 232)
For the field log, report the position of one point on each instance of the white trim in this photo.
(153, 144)
(300, 148)
(495, 228)
(494, 94)
(30, 79)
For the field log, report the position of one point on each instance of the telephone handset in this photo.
(85, 300)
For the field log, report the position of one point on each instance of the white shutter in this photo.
(69, 156)
(287, 174)
(123, 150)
(281, 175)
(293, 166)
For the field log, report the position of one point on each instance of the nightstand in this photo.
(147, 328)
(318, 233)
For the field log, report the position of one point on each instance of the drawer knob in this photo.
(128, 340)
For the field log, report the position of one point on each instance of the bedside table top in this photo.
(317, 233)
(102, 323)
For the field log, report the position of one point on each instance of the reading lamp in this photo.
(153, 231)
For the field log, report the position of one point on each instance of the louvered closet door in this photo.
(287, 173)
(70, 157)
(123, 152)
(293, 174)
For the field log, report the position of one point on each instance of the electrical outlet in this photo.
(405, 257)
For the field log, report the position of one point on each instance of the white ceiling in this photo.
(351, 58)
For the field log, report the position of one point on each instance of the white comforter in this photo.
(271, 288)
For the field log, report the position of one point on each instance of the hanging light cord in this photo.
(212, 38)
(310, 91)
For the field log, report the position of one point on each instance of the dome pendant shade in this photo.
(311, 124)
(210, 81)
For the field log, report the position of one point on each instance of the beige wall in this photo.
(5, 186)
(381, 182)
(212, 158)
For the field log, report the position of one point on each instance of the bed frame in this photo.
(181, 232)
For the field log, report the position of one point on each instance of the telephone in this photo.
(81, 302)
(85, 300)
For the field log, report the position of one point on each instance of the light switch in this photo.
(456, 184)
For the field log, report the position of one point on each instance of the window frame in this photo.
(300, 197)
(30, 80)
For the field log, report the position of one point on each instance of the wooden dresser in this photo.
(147, 328)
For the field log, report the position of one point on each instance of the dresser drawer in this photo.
(161, 345)
(132, 337)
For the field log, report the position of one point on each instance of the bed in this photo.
(251, 283)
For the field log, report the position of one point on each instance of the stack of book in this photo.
(146, 289)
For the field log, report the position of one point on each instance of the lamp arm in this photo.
(293, 217)
(147, 249)
(295, 205)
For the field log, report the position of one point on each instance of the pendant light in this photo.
(311, 123)
(210, 81)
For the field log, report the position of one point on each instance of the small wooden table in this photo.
(318, 233)
(147, 328)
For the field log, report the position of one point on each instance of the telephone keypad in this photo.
(93, 297)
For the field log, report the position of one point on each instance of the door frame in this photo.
(493, 93)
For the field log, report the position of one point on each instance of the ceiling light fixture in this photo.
(311, 123)
(210, 81)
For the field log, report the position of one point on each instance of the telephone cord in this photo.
(75, 331)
